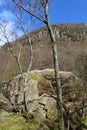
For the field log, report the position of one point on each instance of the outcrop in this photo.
(40, 92)
(64, 32)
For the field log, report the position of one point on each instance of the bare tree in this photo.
(17, 57)
(5, 39)
(26, 31)
(44, 5)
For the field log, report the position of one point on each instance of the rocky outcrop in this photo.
(40, 92)
(64, 32)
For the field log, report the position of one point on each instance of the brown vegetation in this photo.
(68, 50)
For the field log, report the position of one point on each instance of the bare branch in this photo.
(17, 58)
(85, 106)
(29, 12)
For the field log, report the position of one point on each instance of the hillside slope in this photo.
(71, 39)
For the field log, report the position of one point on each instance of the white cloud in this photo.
(7, 20)
(6, 15)
(9, 32)
(6, 29)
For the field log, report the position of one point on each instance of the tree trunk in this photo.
(28, 71)
(56, 70)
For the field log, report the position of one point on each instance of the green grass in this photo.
(16, 122)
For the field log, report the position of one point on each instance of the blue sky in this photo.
(68, 11)
(61, 11)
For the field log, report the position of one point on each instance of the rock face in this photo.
(64, 32)
(40, 92)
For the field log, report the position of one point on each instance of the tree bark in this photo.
(56, 70)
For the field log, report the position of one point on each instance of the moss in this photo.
(51, 124)
(85, 121)
(34, 76)
(52, 112)
(17, 122)
(33, 125)
(12, 122)
(28, 115)
(37, 74)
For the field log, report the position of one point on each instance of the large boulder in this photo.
(40, 92)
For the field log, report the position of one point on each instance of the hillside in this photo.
(72, 42)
